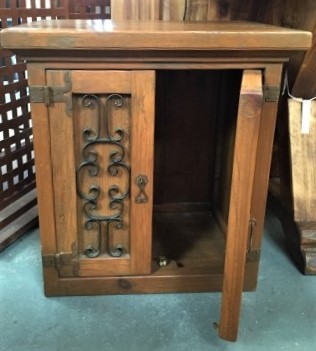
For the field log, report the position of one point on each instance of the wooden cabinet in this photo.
(153, 145)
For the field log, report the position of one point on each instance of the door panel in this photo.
(97, 154)
(240, 218)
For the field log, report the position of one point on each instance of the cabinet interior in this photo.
(195, 127)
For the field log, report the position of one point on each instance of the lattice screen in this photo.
(17, 173)
(16, 144)
(93, 9)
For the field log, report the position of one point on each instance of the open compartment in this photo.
(196, 112)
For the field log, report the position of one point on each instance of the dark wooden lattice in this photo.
(17, 181)
(93, 9)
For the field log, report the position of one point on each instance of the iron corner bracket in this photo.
(51, 94)
(61, 260)
(271, 93)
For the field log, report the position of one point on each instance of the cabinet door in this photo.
(240, 219)
(102, 161)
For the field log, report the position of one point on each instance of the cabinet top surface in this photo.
(152, 35)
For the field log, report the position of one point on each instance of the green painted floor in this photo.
(280, 315)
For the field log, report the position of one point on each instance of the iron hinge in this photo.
(63, 259)
(253, 255)
(51, 94)
(271, 93)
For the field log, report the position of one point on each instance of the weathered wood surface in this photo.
(291, 14)
(188, 10)
(304, 85)
(245, 153)
(154, 35)
(303, 151)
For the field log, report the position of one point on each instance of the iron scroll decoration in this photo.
(91, 165)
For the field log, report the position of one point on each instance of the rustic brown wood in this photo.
(303, 147)
(44, 172)
(225, 138)
(181, 173)
(207, 10)
(307, 233)
(136, 118)
(272, 76)
(245, 153)
(154, 35)
(304, 86)
(288, 13)
(196, 261)
(142, 135)
(135, 10)
(61, 136)
(172, 10)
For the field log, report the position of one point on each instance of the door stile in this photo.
(272, 77)
(142, 149)
(239, 219)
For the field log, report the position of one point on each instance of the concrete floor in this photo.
(280, 315)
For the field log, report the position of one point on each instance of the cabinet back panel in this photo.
(186, 105)
(194, 134)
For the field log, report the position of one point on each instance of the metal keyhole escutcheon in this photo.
(141, 181)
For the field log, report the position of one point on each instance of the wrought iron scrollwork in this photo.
(91, 138)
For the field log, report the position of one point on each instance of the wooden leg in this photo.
(244, 163)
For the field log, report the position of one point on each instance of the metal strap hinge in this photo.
(271, 93)
(253, 255)
(62, 259)
(51, 94)
(57, 260)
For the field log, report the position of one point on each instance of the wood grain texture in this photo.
(154, 35)
(272, 76)
(103, 81)
(185, 135)
(309, 255)
(100, 114)
(64, 181)
(136, 118)
(173, 10)
(245, 153)
(304, 86)
(303, 150)
(43, 164)
(135, 9)
(142, 149)
(209, 53)
(307, 230)
(207, 10)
